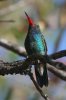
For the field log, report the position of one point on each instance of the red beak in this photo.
(29, 20)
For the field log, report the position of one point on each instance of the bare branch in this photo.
(13, 47)
(58, 55)
(11, 68)
(56, 64)
(19, 67)
(59, 73)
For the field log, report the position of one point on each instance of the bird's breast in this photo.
(37, 44)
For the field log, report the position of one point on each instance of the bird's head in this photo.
(30, 21)
(32, 26)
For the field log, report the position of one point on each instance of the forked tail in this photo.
(41, 79)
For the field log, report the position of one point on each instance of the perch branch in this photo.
(11, 68)
(18, 67)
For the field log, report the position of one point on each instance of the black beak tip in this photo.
(26, 13)
(29, 19)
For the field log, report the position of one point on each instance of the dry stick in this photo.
(56, 64)
(11, 68)
(59, 73)
(13, 47)
(58, 55)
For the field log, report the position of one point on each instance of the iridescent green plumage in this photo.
(35, 44)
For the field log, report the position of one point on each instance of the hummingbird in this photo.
(35, 44)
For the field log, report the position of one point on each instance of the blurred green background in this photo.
(51, 17)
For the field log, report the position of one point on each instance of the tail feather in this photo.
(41, 79)
(45, 76)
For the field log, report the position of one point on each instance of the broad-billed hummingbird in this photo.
(36, 44)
